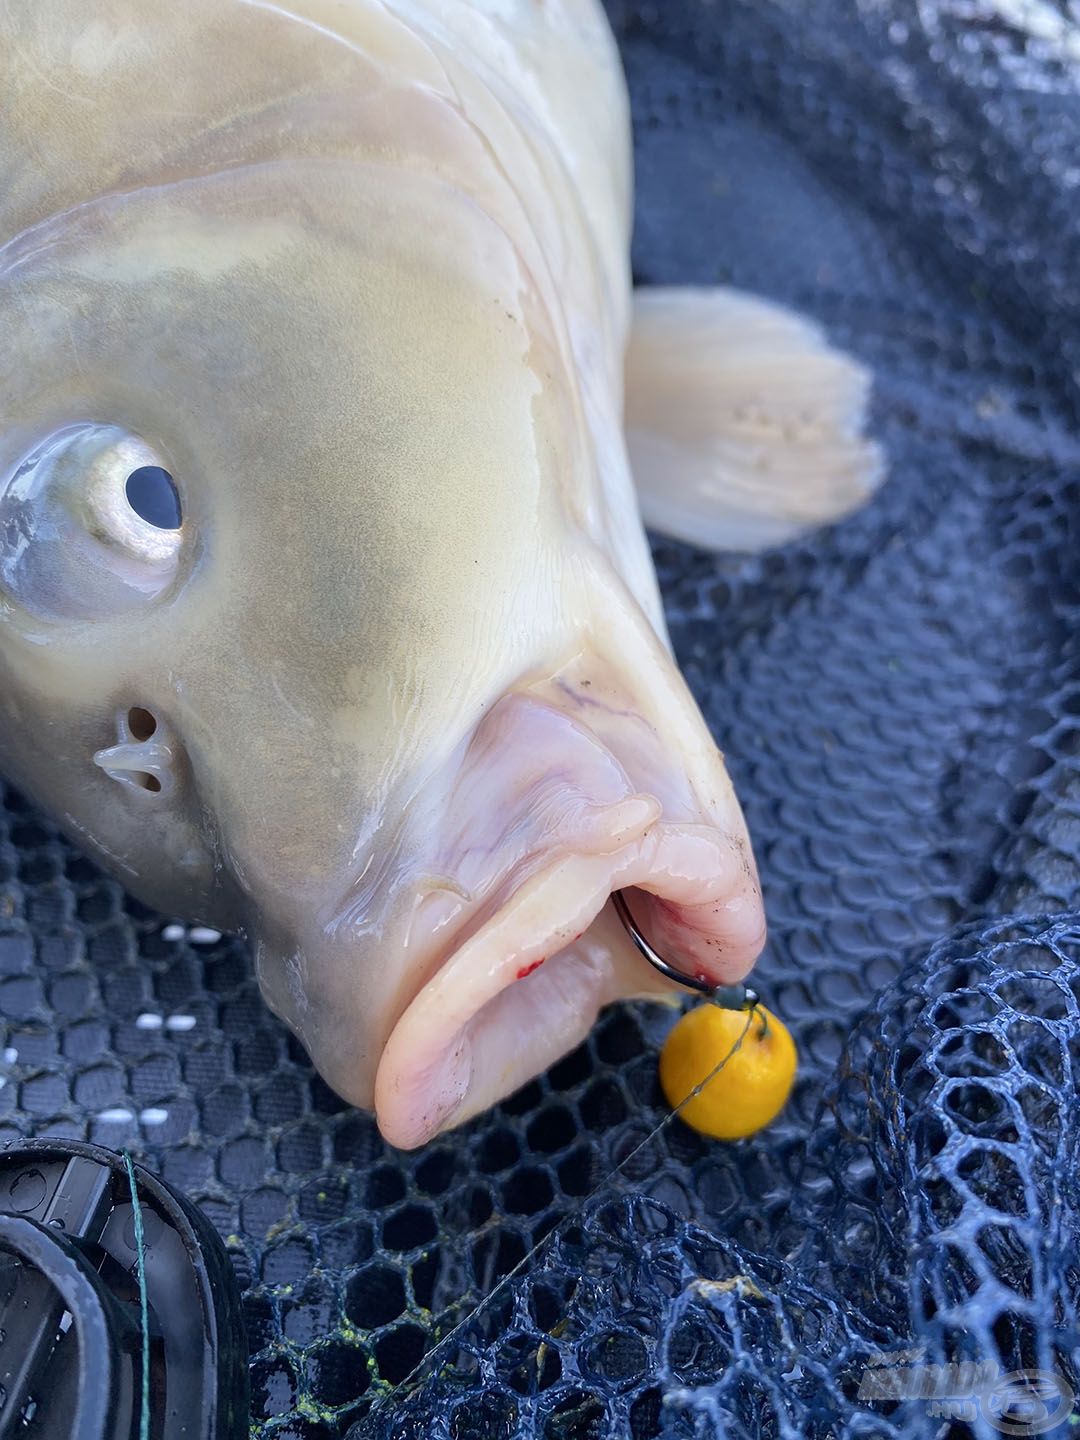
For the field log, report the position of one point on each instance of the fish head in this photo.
(357, 679)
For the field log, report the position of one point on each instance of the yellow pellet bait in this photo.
(751, 1089)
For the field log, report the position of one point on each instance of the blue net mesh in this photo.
(899, 702)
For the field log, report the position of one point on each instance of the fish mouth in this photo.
(518, 989)
(482, 945)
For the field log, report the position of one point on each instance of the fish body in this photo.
(394, 697)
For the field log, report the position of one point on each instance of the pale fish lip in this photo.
(494, 1014)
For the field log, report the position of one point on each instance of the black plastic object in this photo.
(71, 1325)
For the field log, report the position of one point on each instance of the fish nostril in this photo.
(145, 755)
(141, 725)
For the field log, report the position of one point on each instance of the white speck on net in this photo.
(180, 1022)
(115, 1115)
(148, 1021)
(1051, 36)
(173, 932)
(153, 1115)
(203, 935)
(10, 1055)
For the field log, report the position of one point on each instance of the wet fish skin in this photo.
(355, 274)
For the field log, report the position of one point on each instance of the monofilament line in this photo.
(144, 1309)
(566, 1220)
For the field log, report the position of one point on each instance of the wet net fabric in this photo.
(899, 701)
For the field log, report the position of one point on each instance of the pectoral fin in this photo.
(744, 426)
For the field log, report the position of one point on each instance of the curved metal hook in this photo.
(728, 997)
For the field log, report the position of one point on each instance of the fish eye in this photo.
(91, 525)
(152, 494)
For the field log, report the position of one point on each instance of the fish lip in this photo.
(424, 1079)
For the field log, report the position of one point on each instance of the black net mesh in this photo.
(899, 700)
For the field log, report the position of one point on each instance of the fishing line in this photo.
(425, 1360)
(144, 1309)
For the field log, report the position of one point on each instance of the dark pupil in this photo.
(152, 495)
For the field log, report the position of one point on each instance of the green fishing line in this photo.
(144, 1309)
